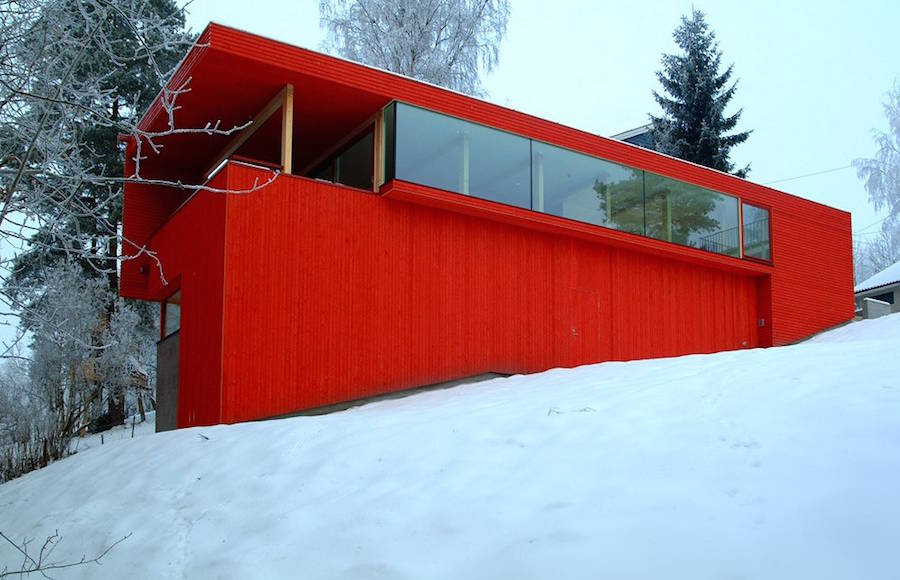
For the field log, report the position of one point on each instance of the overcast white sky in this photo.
(813, 74)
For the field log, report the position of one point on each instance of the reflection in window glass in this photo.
(353, 166)
(463, 157)
(388, 117)
(692, 216)
(756, 232)
(584, 188)
(173, 314)
(324, 171)
(455, 155)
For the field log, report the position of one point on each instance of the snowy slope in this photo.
(777, 463)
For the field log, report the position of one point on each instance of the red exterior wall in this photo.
(346, 294)
(303, 293)
(812, 285)
(145, 208)
(191, 248)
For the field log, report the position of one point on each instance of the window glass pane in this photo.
(388, 117)
(462, 157)
(173, 314)
(886, 297)
(587, 189)
(692, 216)
(756, 232)
(324, 171)
(353, 167)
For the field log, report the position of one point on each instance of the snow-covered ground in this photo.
(777, 463)
(134, 427)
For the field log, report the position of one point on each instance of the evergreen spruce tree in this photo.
(694, 126)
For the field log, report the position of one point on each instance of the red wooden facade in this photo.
(303, 293)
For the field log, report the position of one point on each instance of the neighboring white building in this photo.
(883, 286)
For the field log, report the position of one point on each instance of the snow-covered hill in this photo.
(778, 463)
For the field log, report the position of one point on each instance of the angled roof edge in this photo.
(235, 41)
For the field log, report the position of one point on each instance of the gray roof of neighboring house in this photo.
(639, 136)
(890, 275)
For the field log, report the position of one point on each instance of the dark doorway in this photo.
(167, 383)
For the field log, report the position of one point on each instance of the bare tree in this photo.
(881, 177)
(66, 91)
(41, 562)
(874, 255)
(444, 42)
(74, 75)
(63, 97)
(881, 173)
(59, 396)
(127, 361)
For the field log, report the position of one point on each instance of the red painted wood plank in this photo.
(341, 294)
(304, 293)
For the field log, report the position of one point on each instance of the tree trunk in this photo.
(112, 251)
(116, 408)
(140, 403)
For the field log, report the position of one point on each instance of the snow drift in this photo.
(776, 463)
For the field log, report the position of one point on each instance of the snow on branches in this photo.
(443, 42)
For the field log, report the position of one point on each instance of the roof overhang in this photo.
(229, 75)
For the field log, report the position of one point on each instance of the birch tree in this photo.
(881, 173)
(871, 256)
(449, 43)
(881, 178)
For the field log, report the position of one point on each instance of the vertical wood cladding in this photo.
(304, 293)
(334, 294)
(812, 286)
(191, 249)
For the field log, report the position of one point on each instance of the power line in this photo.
(808, 175)
(863, 230)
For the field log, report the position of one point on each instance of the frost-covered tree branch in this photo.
(444, 42)
(76, 77)
(881, 178)
(873, 255)
(881, 173)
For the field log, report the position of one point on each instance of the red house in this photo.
(367, 233)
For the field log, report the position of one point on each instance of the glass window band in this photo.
(452, 154)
